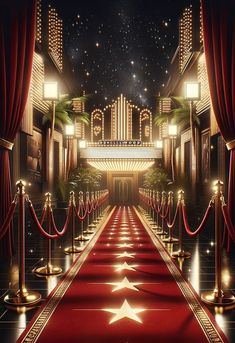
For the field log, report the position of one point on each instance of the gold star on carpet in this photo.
(124, 245)
(125, 266)
(125, 254)
(125, 283)
(125, 311)
(124, 238)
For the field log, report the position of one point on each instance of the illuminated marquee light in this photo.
(121, 165)
(78, 105)
(97, 116)
(204, 102)
(146, 115)
(121, 119)
(164, 107)
(185, 37)
(38, 37)
(55, 37)
(38, 74)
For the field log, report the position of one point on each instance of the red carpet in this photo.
(126, 291)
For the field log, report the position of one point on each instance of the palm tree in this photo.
(85, 179)
(179, 115)
(62, 117)
(65, 114)
(155, 178)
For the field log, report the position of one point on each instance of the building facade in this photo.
(193, 169)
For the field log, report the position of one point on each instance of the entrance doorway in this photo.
(123, 191)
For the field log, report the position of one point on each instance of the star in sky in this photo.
(109, 38)
(125, 266)
(125, 311)
(125, 254)
(125, 283)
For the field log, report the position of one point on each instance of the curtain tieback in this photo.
(6, 144)
(231, 144)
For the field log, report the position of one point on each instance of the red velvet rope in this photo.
(5, 227)
(90, 206)
(66, 224)
(44, 211)
(95, 204)
(171, 225)
(228, 222)
(39, 226)
(201, 226)
(163, 216)
(158, 209)
(81, 209)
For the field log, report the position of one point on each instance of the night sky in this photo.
(121, 46)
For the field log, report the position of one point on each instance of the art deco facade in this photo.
(189, 65)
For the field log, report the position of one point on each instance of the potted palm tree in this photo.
(155, 178)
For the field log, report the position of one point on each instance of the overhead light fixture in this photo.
(69, 130)
(172, 130)
(50, 91)
(82, 144)
(192, 91)
(122, 164)
(158, 144)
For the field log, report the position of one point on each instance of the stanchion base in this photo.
(181, 253)
(88, 232)
(47, 270)
(92, 226)
(160, 232)
(226, 301)
(155, 227)
(82, 238)
(18, 299)
(73, 250)
(170, 240)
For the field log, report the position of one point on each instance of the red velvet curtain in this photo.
(17, 34)
(219, 41)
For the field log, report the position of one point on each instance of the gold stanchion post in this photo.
(73, 249)
(92, 225)
(218, 297)
(181, 252)
(81, 237)
(161, 230)
(88, 231)
(170, 238)
(22, 297)
(48, 269)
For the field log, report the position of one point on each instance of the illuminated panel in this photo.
(146, 125)
(121, 165)
(121, 121)
(38, 37)
(97, 125)
(55, 37)
(79, 106)
(201, 27)
(164, 107)
(185, 37)
(124, 152)
(204, 103)
(37, 84)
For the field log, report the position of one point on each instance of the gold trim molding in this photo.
(6, 144)
(231, 144)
